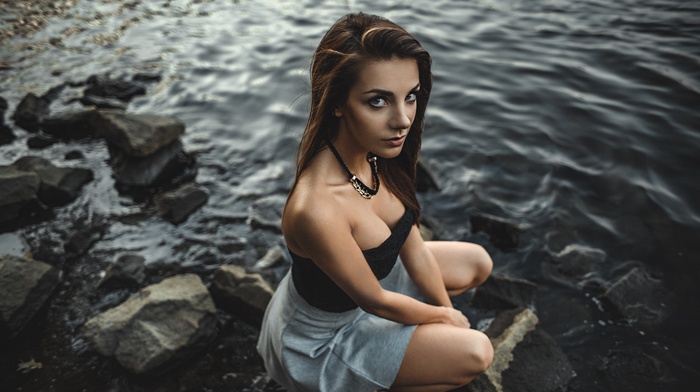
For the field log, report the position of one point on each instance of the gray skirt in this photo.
(308, 349)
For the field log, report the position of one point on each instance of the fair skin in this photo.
(327, 221)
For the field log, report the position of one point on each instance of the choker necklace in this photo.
(359, 186)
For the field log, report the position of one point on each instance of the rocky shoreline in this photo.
(144, 327)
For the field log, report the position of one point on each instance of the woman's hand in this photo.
(456, 318)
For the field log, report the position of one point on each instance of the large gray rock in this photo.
(176, 205)
(138, 135)
(59, 185)
(17, 188)
(574, 264)
(26, 285)
(167, 163)
(156, 327)
(70, 125)
(6, 134)
(31, 111)
(240, 292)
(503, 233)
(641, 298)
(525, 357)
(502, 292)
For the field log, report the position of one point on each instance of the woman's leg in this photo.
(463, 265)
(441, 357)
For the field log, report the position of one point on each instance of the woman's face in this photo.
(381, 106)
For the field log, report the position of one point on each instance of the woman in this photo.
(347, 317)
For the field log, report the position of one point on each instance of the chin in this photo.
(388, 153)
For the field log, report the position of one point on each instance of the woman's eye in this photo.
(377, 102)
(411, 97)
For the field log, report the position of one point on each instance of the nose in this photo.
(402, 116)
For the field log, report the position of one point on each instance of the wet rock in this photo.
(70, 125)
(502, 292)
(127, 271)
(425, 180)
(102, 102)
(40, 142)
(640, 298)
(503, 233)
(6, 134)
(240, 292)
(59, 185)
(73, 155)
(137, 135)
(147, 77)
(525, 357)
(31, 111)
(83, 238)
(101, 86)
(17, 189)
(163, 166)
(157, 327)
(176, 205)
(574, 263)
(26, 285)
(631, 370)
(266, 213)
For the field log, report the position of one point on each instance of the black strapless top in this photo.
(320, 291)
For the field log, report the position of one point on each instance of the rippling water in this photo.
(579, 119)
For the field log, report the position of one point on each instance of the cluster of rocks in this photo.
(146, 152)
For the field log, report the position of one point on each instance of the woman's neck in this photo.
(353, 155)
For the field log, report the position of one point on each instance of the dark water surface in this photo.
(578, 119)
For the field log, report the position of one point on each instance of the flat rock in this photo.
(176, 205)
(240, 292)
(105, 87)
(31, 111)
(502, 292)
(266, 213)
(503, 233)
(138, 135)
(167, 163)
(17, 189)
(574, 264)
(157, 327)
(26, 285)
(640, 298)
(70, 125)
(59, 185)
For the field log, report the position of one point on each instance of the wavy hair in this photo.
(350, 43)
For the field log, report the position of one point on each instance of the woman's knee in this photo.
(482, 264)
(479, 354)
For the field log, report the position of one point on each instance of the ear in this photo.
(337, 112)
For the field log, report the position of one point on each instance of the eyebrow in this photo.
(386, 92)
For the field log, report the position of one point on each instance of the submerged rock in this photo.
(26, 285)
(240, 292)
(525, 357)
(176, 205)
(640, 298)
(157, 327)
(502, 292)
(137, 135)
(17, 189)
(31, 111)
(59, 185)
(503, 233)
(574, 264)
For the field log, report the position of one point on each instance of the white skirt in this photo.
(308, 349)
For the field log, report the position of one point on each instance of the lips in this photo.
(395, 141)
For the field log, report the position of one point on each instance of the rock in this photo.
(138, 135)
(636, 371)
(176, 205)
(146, 77)
(503, 233)
(102, 102)
(502, 292)
(574, 263)
(274, 256)
(73, 155)
(70, 125)
(525, 358)
(157, 327)
(127, 271)
(640, 298)
(113, 88)
(169, 162)
(6, 134)
(425, 180)
(266, 213)
(26, 285)
(240, 292)
(31, 111)
(59, 185)
(40, 142)
(17, 189)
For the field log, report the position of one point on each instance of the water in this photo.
(578, 119)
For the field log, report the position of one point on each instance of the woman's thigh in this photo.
(463, 265)
(442, 357)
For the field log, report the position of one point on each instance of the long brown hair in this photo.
(350, 43)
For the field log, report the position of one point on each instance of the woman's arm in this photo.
(327, 239)
(423, 269)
